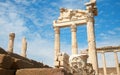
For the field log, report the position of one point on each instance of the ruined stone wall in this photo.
(14, 64)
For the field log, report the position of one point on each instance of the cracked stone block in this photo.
(21, 64)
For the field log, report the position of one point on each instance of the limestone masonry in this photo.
(14, 64)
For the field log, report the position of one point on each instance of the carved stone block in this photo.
(37, 64)
(20, 64)
(5, 61)
(71, 15)
(57, 63)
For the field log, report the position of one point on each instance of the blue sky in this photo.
(33, 19)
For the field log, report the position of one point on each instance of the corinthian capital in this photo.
(11, 36)
(90, 17)
(73, 28)
(57, 30)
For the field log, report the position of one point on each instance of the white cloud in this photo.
(25, 2)
(112, 32)
(117, 29)
(102, 34)
(71, 4)
(11, 21)
(74, 4)
(108, 41)
(99, 0)
(41, 49)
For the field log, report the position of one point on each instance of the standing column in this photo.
(117, 63)
(74, 39)
(104, 63)
(91, 39)
(11, 42)
(24, 47)
(57, 40)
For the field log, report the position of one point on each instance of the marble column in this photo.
(57, 40)
(117, 63)
(24, 47)
(11, 42)
(74, 39)
(104, 63)
(91, 39)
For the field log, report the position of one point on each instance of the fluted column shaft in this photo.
(117, 63)
(11, 42)
(24, 47)
(74, 39)
(104, 63)
(91, 40)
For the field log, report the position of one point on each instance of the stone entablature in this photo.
(68, 17)
(109, 49)
(78, 17)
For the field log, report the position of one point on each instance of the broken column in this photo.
(63, 59)
(74, 39)
(91, 38)
(24, 47)
(11, 42)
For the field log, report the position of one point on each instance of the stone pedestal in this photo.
(11, 42)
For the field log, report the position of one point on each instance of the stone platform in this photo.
(42, 71)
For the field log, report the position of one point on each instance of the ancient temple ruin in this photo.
(83, 63)
(78, 62)
(73, 18)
